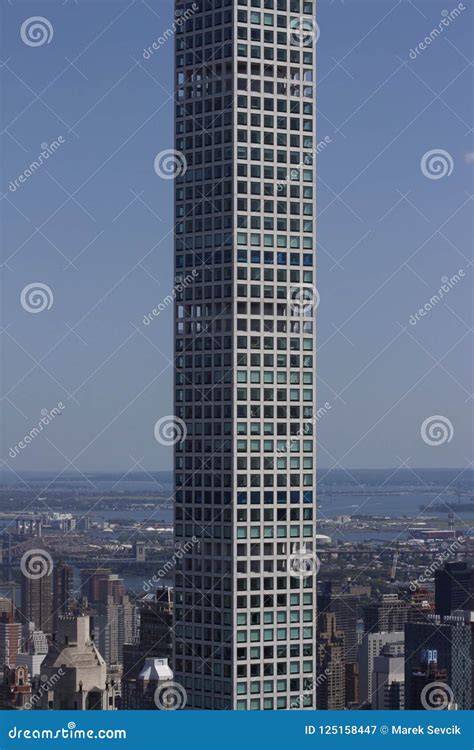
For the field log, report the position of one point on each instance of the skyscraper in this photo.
(332, 598)
(75, 671)
(91, 579)
(36, 601)
(454, 587)
(10, 640)
(114, 625)
(386, 615)
(155, 613)
(435, 646)
(62, 591)
(245, 353)
(371, 646)
(388, 680)
(331, 663)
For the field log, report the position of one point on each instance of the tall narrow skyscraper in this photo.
(245, 500)
(36, 601)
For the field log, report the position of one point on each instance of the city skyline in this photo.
(242, 243)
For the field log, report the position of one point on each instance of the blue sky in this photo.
(94, 223)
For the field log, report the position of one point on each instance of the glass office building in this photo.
(245, 587)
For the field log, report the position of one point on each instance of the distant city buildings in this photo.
(155, 612)
(330, 662)
(388, 679)
(63, 583)
(75, 672)
(386, 615)
(114, 618)
(151, 688)
(439, 645)
(454, 588)
(90, 583)
(36, 601)
(33, 653)
(15, 691)
(10, 640)
(333, 598)
(425, 678)
(371, 646)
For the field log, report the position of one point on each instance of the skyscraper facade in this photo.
(436, 646)
(454, 587)
(331, 664)
(36, 601)
(245, 353)
(63, 584)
